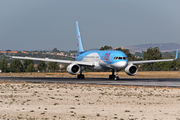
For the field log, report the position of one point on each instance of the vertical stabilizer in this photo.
(78, 37)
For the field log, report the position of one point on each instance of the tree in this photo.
(30, 68)
(41, 66)
(53, 66)
(105, 48)
(139, 54)
(55, 50)
(8, 50)
(16, 66)
(168, 55)
(169, 66)
(3, 65)
(27, 63)
(152, 54)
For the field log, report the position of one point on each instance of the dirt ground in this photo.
(149, 74)
(30, 101)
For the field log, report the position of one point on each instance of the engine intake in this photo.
(73, 69)
(131, 70)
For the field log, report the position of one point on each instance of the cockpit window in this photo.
(120, 58)
(115, 58)
(124, 58)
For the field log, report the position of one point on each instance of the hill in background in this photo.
(164, 47)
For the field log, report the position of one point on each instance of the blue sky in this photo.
(43, 24)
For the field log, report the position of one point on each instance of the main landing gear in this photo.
(80, 76)
(114, 77)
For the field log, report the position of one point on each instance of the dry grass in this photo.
(154, 74)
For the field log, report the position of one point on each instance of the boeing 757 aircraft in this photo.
(98, 60)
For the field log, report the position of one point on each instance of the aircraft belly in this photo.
(105, 65)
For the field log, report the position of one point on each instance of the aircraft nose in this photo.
(119, 65)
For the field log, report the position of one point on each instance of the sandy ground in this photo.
(87, 102)
(149, 74)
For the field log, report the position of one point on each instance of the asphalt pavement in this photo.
(158, 82)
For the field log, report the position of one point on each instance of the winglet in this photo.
(79, 42)
(176, 55)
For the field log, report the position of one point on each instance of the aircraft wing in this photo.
(55, 60)
(149, 61)
(153, 61)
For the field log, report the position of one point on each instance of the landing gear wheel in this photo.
(116, 78)
(81, 76)
(113, 77)
(110, 76)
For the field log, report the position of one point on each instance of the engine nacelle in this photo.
(131, 70)
(73, 69)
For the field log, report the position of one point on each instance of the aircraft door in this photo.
(110, 60)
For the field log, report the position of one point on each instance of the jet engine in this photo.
(131, 70)
(73, 69)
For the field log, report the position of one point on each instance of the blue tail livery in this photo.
(78, 36)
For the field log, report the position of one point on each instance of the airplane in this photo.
(98, 60)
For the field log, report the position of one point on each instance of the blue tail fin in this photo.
(79, 42)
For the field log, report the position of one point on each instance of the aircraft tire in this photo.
(116, 78)
(113, 77)
(80, 76)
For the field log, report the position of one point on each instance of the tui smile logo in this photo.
(77, 42)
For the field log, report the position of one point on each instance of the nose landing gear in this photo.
(114, 77)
